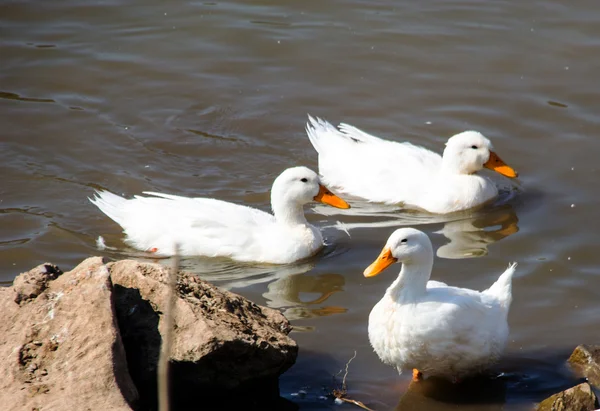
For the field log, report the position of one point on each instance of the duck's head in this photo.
(405, 245)
(301, 185)
(469, 151)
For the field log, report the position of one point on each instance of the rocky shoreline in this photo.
(90, 339)
(585, 362)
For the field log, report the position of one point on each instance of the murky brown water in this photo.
(210, 99)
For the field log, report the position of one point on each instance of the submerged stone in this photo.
(578, 398)
(585, 361)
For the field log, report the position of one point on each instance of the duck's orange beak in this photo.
(382, 262)
(327, 197)
(495, 163)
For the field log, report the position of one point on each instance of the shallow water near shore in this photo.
(210, 99)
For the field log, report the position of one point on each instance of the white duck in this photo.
(210, 227)
(356, 163)
(430, 327)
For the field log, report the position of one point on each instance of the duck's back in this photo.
(201, 226)
(449, 333)
(356, 163)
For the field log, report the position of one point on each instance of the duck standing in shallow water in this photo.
(210, 227)
(356, 163)
(430, 327)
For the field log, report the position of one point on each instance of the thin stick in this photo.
(357, 403)
(165, 352)
(341, 393)
(344, 386)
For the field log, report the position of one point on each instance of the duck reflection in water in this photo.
(469, 233)
(287, 292)
(470, 237)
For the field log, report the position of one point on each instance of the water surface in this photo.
(210, 99)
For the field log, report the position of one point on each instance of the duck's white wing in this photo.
(201, 226)
(356, 163)
(462, 326)
(435, 284)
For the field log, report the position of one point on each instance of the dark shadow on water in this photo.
(439, 394)
(531, 376)
(518, 380)
(259, 394)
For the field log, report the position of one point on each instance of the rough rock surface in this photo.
(90, 339)
(60, 348)
(585, 360)
(221, 341)
(578, 398)
(29, 285)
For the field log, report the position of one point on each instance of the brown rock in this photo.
(90, 339)
(29, 285)
(221, 341)
(579, 398)
(62, 350)
(585, 361)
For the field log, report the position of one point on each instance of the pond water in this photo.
(211, 99)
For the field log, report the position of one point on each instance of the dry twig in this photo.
(165, 353)
(341, 393)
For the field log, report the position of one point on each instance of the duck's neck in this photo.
(412, 280)
(288, 212)
(452, 165)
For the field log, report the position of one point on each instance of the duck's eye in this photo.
(404, 241)
(474, 147)
(304, 180)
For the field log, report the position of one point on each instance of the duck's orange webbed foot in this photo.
(417, 375)
(152, 250)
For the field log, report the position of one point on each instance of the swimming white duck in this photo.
(210, 227)
(431, 327)
(356, 163)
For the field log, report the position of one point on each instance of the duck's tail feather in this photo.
(502, 288)
(110, 204)
(318, 129)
